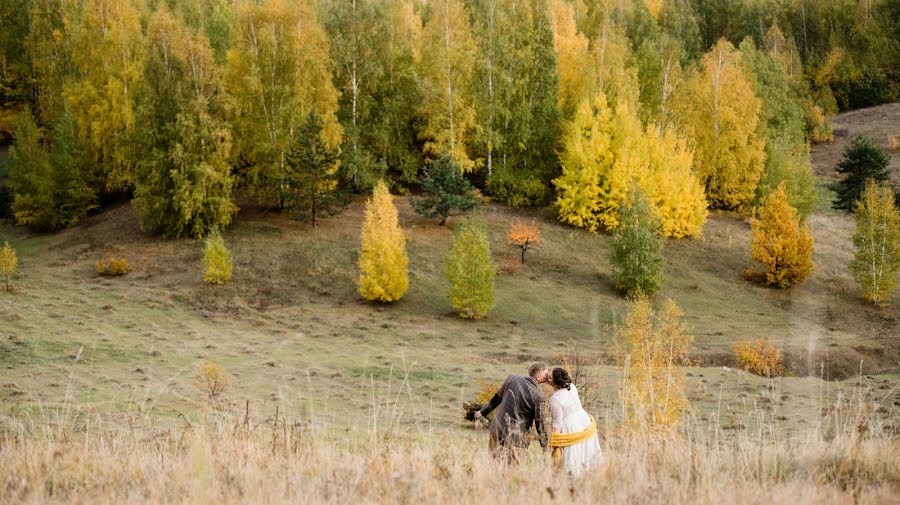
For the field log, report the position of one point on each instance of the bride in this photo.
(574, 438)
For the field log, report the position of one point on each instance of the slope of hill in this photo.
(293, 331)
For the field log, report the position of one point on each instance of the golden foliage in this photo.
(484, 394)
(817, 124)
(211, 379)
(780, 243)
(112, 267)
(571, 53)
(217, 263)
(759, 357)
(894, 142)
(717, 109)
(524, 235)
(447, 71)
(605, 151)
(383, 264)
(651, 346)
(8, 263)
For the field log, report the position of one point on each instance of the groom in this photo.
(521, 404)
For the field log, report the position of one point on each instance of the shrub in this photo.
(524, 235)
(636, 253)
(8, 263)
(211, 379)
(862, 161)
(217, 263)
(447, 192)
(651, 346)
(469, 269)
(759, 357)
(112, 267)
(876, 262)
(894, 141)
(383, 264)
(780, 245)
(482, 396)
(818, 129)
(518, 190)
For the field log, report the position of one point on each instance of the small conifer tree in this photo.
(470, 271)
(447, 192)
(862, 160)
(217, 263)
(780, 244)
(636, 253)
(876, 263)
(310, 187)
(383, 263)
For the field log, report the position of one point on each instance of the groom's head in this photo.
(539, 372)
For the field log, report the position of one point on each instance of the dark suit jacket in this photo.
(521, 405)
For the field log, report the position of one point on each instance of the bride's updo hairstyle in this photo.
(561, 378)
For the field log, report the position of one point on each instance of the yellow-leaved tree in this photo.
(383, 263)
(605, 151)
(571, 54)
(217, 263)
(8, 262)
(108, 56)
(718, 111)
(279, 69)
(447, 71)
(780, 244)
(651, 346)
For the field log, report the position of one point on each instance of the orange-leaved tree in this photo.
(780, 244)
(524, 235)
(383, 262)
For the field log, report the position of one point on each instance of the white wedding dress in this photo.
(569, 417)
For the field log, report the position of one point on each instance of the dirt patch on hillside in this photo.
(878, 123)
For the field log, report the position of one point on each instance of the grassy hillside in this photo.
(293, 332)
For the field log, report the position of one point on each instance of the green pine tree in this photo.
(71, 196)
(310, 189)
(447, 192)
(863, 161)
(636, 253)
(470, 271)
(31, 176)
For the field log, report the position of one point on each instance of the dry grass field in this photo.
(338, 400)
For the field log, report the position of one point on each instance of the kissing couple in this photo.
(520, 404)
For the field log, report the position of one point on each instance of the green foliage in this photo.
(789, 164)
(518, 86)
(183, 177)
(48, 190)
(471, 272)
(217, 263)
(310, 185)
(862, 161)
(279, 69)
(636, 254)
(518, 190)
(446, 191)
(876, 262)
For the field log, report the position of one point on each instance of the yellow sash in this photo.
(558, 440)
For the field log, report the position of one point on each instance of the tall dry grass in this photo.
(236, 455)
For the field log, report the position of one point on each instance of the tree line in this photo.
(189, 107)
